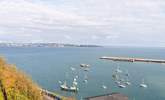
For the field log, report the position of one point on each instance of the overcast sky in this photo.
(103, 22)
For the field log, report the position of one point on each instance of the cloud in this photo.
(87, 21)
(29, 14)
(94, 37)
(22, 18)
(111, 37)
(67, 37)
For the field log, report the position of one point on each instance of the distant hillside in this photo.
(43, 45)
(15, 85)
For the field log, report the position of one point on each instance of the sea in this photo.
(48, 66)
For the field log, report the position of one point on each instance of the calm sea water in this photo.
(47, 66)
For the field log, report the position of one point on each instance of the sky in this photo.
(101, 22)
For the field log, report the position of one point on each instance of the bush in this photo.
(16, 84)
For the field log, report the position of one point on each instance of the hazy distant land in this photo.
(44, 45)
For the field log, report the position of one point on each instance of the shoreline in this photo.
(48, 95)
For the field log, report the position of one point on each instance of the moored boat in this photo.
(72, 88)
(121, 86)
(143, 85)
(84, 65)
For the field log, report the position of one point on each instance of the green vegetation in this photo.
(1, 96)
(16, 85)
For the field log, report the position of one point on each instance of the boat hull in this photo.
(69, 89)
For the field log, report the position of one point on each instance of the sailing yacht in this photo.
(73, 88)
(64, 86)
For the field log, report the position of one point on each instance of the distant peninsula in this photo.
(53, 45)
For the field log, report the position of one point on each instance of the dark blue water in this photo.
(47, 66)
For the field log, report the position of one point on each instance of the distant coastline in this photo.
(53, 45)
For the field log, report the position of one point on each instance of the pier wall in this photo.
(133, 59)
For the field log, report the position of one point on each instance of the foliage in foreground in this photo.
(16, 84)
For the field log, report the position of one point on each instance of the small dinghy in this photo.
(104, 87)
(72, 68)
(143, 85)
(85, 79)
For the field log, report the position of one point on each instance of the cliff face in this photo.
(15, 85)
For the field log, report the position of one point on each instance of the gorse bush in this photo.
(15, 85)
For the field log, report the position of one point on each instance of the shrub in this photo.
(17, 85)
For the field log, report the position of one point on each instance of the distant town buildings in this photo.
(43, 45)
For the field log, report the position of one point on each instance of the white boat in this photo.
(128, 83)
(121, 86)
(84, 65)
(85, 79)
(64, 86)
(143, 85)
(75, 82)
(71, 88)
(72, 68)
(104, 87)
(74, 85)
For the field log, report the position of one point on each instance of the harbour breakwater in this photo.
(129, 59)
